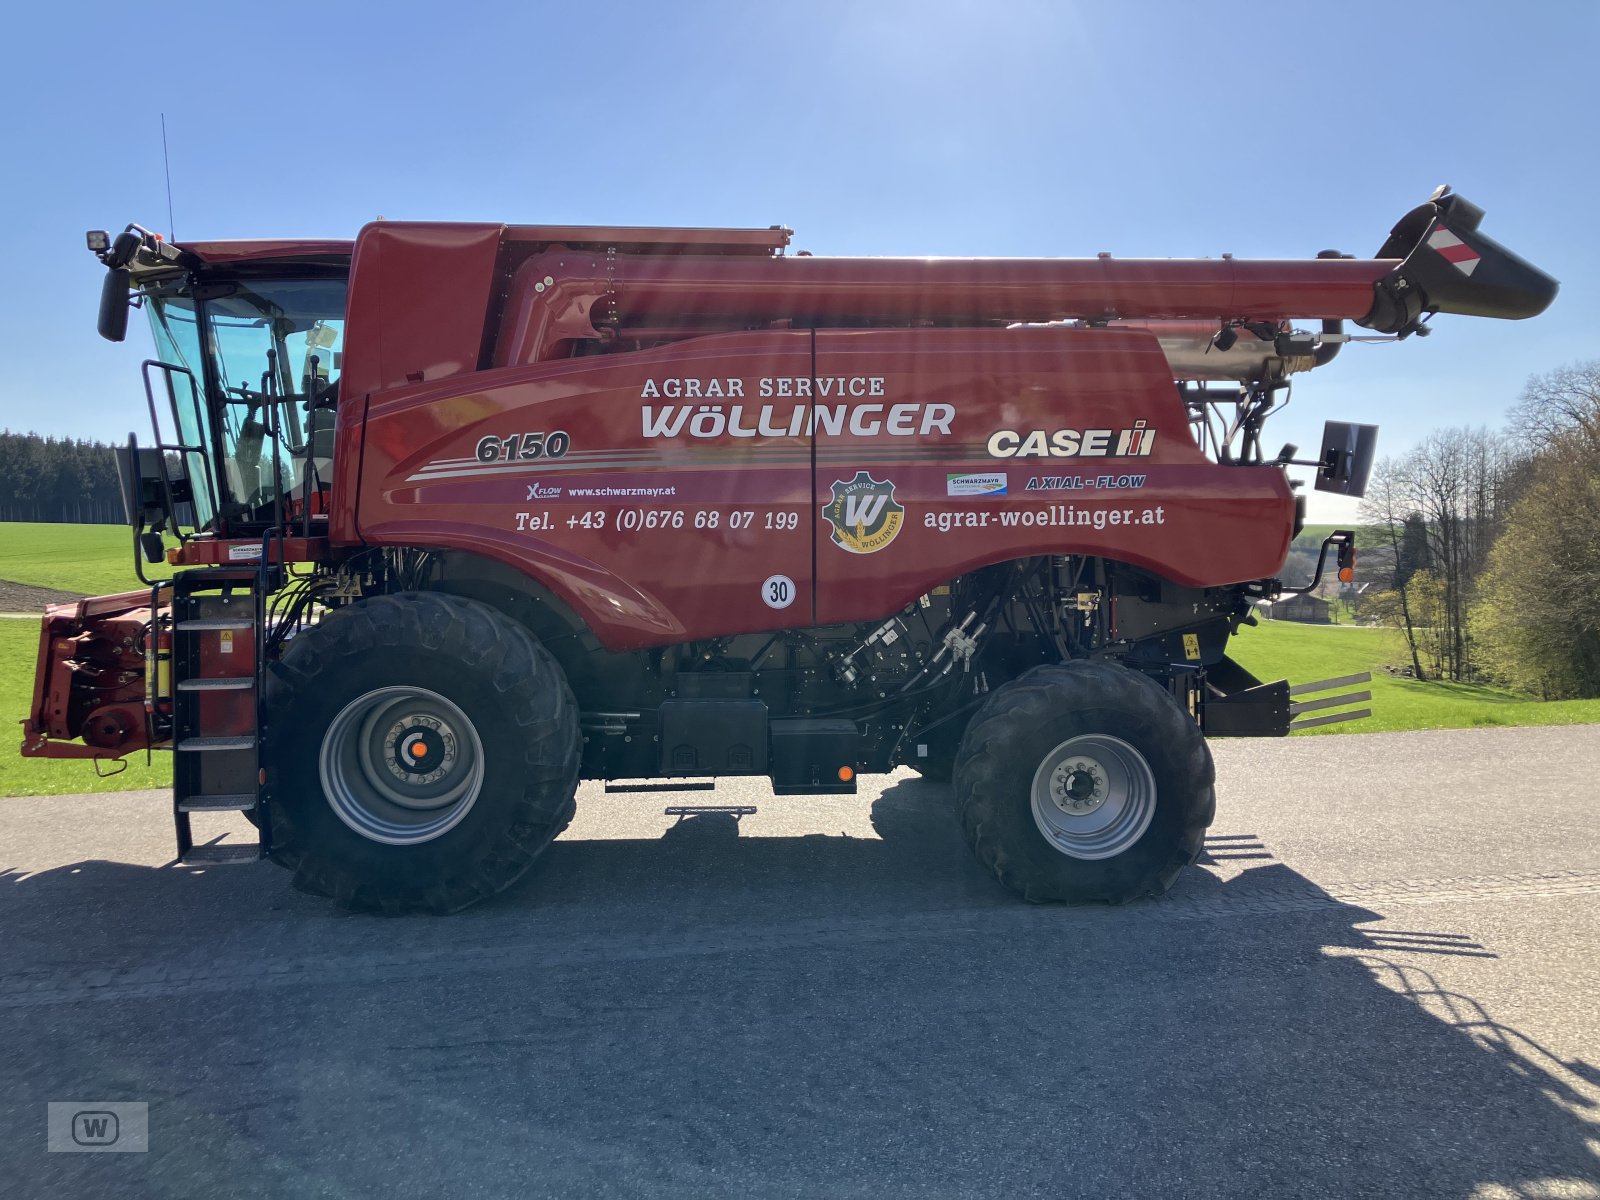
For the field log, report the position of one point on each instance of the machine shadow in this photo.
(1249, 1033)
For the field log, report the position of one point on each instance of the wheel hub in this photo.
(1093, 796)
(1078, 786)
(419, 749)
(401, 765)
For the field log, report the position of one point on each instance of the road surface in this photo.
(1382, 980)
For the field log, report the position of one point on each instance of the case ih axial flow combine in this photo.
(473, 512)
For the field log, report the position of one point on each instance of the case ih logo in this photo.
(1453, 250)
(863, 513)
(1137, 442)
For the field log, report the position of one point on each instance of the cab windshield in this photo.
(265, 355)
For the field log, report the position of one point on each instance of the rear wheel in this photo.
(1084, 781)
(421, 751)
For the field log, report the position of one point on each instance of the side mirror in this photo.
(144, 499)
(113, 322)
(1346, 458)
(155, 493)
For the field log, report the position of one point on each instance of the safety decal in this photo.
(1453, 250)
(864, 514)
(777, 591)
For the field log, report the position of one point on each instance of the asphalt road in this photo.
(1381, 981)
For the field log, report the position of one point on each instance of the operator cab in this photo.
(244, 386)
(266, 353)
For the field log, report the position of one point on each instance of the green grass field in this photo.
(95, 560)
(98, 559)
(1304, 653)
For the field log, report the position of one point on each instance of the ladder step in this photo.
(233, 852)
(217, 685)
(203, 624)
(696, 810)
(684, 786)
(217, 743)
(239, 803)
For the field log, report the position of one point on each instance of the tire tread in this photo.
(992, 816)
(531, 688)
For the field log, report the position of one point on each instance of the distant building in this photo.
(1309, 610)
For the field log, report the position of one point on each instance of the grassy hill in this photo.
(1304, 653)
(1311, 536)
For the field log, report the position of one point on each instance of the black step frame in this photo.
(260, 579)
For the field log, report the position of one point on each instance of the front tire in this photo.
(422, 750)
(1084, 782)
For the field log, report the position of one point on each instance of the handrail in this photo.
(182, 448)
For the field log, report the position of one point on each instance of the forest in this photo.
(58, 479)
(1491, 544)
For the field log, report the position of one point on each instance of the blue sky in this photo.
(868, 127)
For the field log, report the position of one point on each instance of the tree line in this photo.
(58, 479)
(1490, 544)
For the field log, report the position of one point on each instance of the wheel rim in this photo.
(1093, 796)
(401, 765)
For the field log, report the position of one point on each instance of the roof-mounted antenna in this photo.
(166, 165)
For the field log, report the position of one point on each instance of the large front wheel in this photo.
(421, 751)
(1084, 781)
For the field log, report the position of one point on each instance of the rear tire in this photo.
(421, 750)
(1084, 782)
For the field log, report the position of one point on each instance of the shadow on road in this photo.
(710, 1013)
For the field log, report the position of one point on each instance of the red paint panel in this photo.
(419, 297)
(1189, 520)
(244, 555)
(559, 295)
(258, 250)
(349, 448)
(651, 539)
(418, 301)
(730, 463)
(223, 654)
(668, 239)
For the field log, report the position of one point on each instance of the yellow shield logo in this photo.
(863, 513)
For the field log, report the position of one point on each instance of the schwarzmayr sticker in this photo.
(863, 513)
(988, 484)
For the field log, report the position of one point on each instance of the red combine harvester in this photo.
(469, 513)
